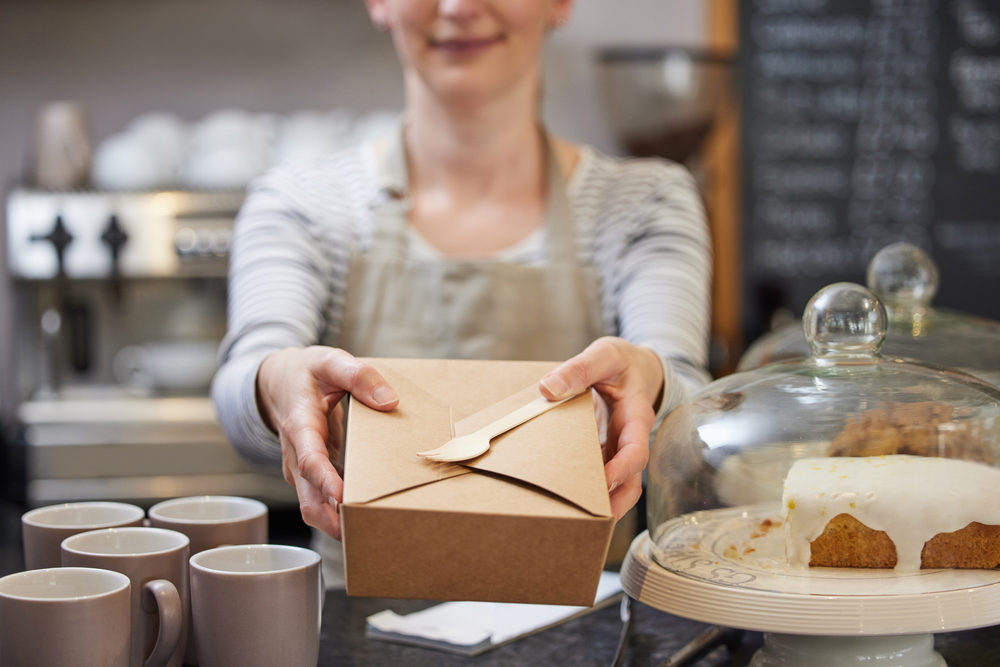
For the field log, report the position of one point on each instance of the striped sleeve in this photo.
(652, 247)
(286, 267)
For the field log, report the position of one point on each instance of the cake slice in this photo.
(902, 512)
(924, 428)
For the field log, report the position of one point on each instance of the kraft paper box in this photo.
(529, 521)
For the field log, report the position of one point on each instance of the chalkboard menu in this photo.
(867, 122)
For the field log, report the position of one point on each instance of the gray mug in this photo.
(65, 617)
(257, 606)
(45, 528)
(213, 521)
(209, 522)
(155, 561)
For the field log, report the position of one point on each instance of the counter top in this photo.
(589, 641)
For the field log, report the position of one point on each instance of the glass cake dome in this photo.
(733, 442)
(905, 278)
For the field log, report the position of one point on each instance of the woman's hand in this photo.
(630, 380)
(298, 395)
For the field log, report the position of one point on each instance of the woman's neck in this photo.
(483, 148)
(476, 169)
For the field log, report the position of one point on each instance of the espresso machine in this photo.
(120, 304)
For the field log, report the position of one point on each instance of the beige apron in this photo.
(463, 309)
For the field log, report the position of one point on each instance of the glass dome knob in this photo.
(903, 276)
(844, 320)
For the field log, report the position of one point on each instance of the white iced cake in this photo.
(899, 511)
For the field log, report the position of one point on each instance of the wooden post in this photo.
(721, 160)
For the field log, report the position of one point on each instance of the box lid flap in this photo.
(557, 451)
(391, 464)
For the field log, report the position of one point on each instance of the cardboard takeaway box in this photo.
(529, 521)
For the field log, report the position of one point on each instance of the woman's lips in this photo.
(460, 47)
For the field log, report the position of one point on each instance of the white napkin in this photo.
(471, 623)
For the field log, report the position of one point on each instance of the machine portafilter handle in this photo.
(51, 323)
(59, 237)
(115, 237)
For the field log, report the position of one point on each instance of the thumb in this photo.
(568, 379)
(344, 372)
(595, 364)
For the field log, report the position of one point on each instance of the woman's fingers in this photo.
(603, 414)
(335, 437)
(338, 372)
(317, 485)
(631, 421)
(306, 459)
(626, 496)
(315, 466)
(305, 432)
(628, 439)
(316, 511)
(629, 461)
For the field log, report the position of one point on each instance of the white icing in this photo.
(911, 498)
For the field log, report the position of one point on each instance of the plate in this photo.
(727, 567)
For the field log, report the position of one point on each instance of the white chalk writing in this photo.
(977, 143)
(977, 79)
(794, 32)
(799, 65)
(797, 218)
(804, 140)
(803, 179)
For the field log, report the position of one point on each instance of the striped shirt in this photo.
(640, 222)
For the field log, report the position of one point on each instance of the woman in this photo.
(468, 233)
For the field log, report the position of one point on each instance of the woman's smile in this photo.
(465, 46)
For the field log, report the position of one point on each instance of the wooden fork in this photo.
(472, 445)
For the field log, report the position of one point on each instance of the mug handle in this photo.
(161, 595)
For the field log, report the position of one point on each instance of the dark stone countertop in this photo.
(589, 641)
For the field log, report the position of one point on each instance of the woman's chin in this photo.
(462, 84)
(463, 92)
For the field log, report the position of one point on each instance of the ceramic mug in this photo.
(209, 522)
(45, 528)
(155, 561)
(278, 591)
(213, 521)
(65, 617)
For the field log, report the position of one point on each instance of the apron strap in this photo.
(561, 237)
(392, 204)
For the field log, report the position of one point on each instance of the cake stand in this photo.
(727, 567)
